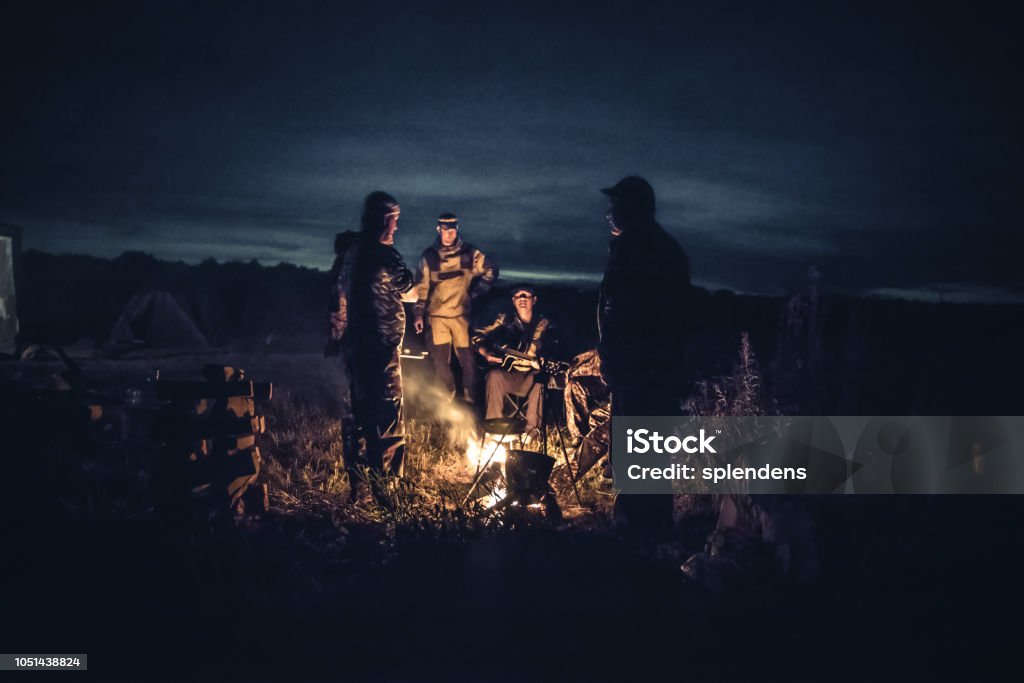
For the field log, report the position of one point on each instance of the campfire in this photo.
(485, 459)
(491, 448)
(504, 476)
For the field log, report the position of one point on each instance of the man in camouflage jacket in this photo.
(451, 274)
(367, 325)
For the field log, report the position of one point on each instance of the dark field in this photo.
(316, 589)
(426, 588)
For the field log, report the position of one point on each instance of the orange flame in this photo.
(484, 453)
(479, 451)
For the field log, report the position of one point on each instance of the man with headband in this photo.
(451, 274)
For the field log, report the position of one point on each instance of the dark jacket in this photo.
(368, 281)
(642, 310)
(536, 338)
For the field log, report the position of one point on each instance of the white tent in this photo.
(10, 243)
(155, 319)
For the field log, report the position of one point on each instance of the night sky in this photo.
(882, 145)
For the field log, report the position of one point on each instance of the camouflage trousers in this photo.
(444, 334)
(375, 418)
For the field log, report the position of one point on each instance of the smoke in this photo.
(480, 456)
(431, 401)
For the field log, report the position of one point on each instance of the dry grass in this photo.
(304, 470)
(738, 394)
(310, 514)
(735, 395)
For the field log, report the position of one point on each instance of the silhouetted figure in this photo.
(451, 274)
(642, 321)
(370, 283)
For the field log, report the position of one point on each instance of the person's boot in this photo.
(467, 363)
(360, 493)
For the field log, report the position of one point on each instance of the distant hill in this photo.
(835, 355)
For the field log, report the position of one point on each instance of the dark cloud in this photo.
(878, 143)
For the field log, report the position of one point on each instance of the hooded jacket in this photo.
(368, 281)
(449, 278)
(643, 308)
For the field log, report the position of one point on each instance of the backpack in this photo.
(341, 289)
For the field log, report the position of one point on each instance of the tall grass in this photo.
(735, 395)
(304, 468)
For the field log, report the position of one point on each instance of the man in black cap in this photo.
(528, 334)
(370, 282)
(451, 274)
(642, 311)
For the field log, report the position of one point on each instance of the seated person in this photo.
(526, 334)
